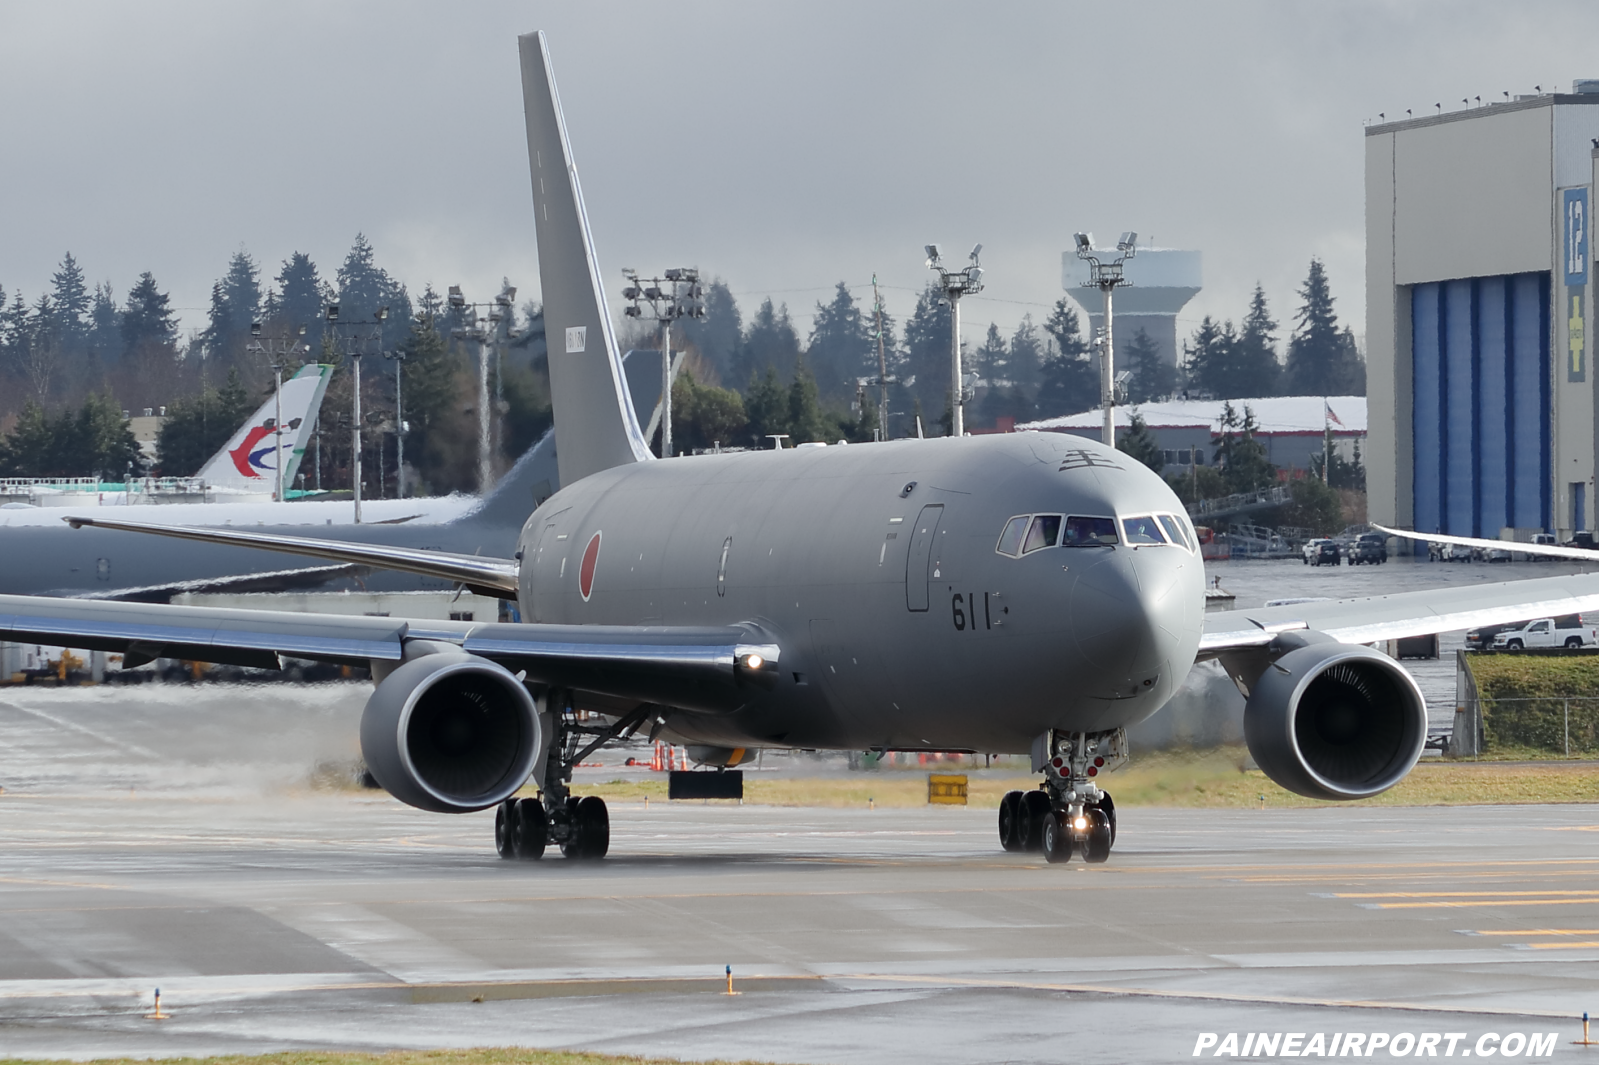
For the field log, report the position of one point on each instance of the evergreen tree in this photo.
(96, 441)
(72, 304)
(1208, 363)
(1254, 359)
(235, 306)
(1322, 360)
(991, 362)
(1152, 378)
(771, 342)
(197, 426)
(1139, 443)
(925, 368)
(1242, 458)
(37, 346)
(441, 442)
(838, 345)
(719, 335)
(364, 287)
(147, 323)
(806, 422)
(766, 403)
(1026, 355)
(105, 324)
(301, 298)
(1068, 378)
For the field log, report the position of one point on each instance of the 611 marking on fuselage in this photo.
(963, 611)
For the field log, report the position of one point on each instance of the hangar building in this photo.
(1478, 263)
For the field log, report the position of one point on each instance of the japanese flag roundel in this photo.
(585, 572)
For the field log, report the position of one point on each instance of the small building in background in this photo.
(1163, 281)
(1290, 427)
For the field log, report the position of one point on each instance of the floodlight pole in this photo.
(956, 283)
(677, 294)
(355, 344)
(486, 339)
(278, 350)
(1107, 277)
(399, 425)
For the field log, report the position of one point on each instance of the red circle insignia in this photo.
(585, 573)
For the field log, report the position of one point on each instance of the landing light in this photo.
(1080, 824)
(753, 661)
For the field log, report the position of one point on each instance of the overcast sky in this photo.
(783, 147)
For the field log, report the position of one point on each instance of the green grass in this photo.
(1213, 779)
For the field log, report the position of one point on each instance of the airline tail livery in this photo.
(248, 461)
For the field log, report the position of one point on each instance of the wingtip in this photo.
(77, 522)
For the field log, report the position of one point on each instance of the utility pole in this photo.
(487, 333)
(399, 425)
(356, 339)
(277, 350)
(882, 364)
(956, 283)
(676, 294)
(1107, 277)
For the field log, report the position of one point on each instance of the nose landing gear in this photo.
(1069, 812)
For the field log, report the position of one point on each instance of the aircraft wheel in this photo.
(1109, 809)
(1057, 841)
(504, 828)
(532, 832)
(1035, 810)
(591, 829)
(1010, 814)
(1096, 848)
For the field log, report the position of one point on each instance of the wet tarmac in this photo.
(170, 837)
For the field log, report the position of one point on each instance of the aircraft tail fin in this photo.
(248, 461)
(595, 425)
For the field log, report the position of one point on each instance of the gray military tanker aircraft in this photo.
(1028, 593)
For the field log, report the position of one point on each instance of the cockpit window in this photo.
(1044, 532)
(1174, 530)
(1142, 530)
(1010, 541)
(1089, 532)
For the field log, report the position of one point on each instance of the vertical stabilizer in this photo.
(595, 427)
(248, 461)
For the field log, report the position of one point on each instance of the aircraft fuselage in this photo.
(878, 570)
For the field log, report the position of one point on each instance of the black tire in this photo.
(1057, 844)
(1513, 645)
(1574, 642)
(1096, 848)
(1010, 836)
(1109, 807)
(1035, 809)
(591, 829)
(532, 832)
(505, 829)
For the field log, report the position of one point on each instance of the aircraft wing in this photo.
(699, 668)
(493, 577)
(1392, 617)
(1580, 554)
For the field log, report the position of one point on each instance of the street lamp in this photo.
(399, 424)
(956, 283)
(487, 332)
(677, 294)
(1107, 277)
(354, 344)
(278, 350)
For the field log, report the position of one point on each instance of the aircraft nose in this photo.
(1130, 613)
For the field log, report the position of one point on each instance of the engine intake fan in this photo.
(1332, 720)
(450, 733)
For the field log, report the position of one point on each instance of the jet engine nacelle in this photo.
(1331, 720)
(450, 733)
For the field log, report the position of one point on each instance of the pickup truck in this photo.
(1545, 633)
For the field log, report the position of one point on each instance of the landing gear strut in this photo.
(1069, 812)
(580, 826)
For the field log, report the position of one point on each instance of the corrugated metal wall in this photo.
(1481, 404)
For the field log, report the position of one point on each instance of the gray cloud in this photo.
(783, 147)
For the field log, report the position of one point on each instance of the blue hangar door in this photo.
(1481, 403)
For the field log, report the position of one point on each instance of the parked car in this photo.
(1454, 553)
(1370, 548)
(1482, 639)
(1321, 552)
(1545, 633)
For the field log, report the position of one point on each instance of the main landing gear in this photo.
(1068, 812)
(580, 826)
